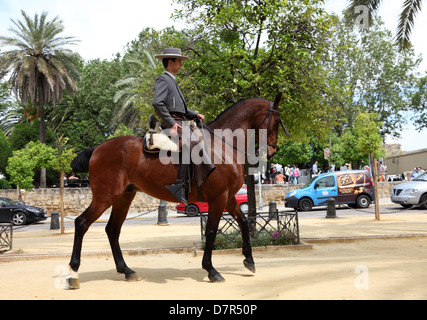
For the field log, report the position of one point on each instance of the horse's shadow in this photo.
(159, 275)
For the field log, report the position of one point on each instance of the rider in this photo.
(170, 106)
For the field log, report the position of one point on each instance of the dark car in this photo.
(18, 213)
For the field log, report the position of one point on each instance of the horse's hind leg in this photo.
(234, 209)
(81, 225)
(118, 216)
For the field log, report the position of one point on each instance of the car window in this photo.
(242, 191)
(326, 182)
(421, 177)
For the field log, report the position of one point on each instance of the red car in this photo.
(193, 209)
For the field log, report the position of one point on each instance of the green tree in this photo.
(367, 129)
(23, 162)
(293, 153)
(41, 67)
(93, 103)
(257, 48)
(376, 76)
(131, 91)
(5, 153)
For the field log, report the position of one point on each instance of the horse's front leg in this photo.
(214, 217)
(234, 209)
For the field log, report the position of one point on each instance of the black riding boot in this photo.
(180, 188)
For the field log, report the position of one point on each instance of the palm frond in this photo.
(410, 10)
(352, 11)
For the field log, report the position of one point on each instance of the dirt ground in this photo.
(372, 268)
(369, 269)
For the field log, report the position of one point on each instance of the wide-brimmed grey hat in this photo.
(171, 53)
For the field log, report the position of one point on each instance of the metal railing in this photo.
(278, 228)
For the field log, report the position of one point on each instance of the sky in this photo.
(104, 27)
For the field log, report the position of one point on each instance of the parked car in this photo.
(354, 187)
(411, 193)
(19, 213)
(193, 209)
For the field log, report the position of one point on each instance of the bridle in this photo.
(269, 116)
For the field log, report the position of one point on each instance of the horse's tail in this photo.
(81, 162)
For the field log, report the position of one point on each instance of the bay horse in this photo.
(118, 168)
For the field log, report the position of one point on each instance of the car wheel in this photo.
(244, 207)
(363, 202)
(423, 201)
(192, 210)
(305, 204)
(19, 219)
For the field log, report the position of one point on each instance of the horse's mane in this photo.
(226, 115)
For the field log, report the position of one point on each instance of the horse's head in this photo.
(271, 123)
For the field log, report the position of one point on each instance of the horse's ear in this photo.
(277, 101)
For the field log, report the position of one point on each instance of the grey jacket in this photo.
(168, 98)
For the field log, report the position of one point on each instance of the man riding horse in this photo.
(170, 106)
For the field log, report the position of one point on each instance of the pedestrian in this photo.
(315, 169)
(382, 172)
(415, 173)
(273, 173)
(280, 178)
(295, 174)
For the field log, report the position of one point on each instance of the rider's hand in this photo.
(201, 117)
(174, 130)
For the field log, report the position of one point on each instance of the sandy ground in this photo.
(373, 266)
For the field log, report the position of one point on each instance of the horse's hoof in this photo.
(133, 277)
(73, 284)
(249, 265)
(216, 277)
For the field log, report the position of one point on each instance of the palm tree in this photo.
(130, 93)
(39, 64)
(410, 10)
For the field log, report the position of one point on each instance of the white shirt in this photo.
(173, 77)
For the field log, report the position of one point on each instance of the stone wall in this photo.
(76, 200)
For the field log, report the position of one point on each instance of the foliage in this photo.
(36, 155)
(122, 130)
(92, 103)
(82, 134)
(41, 66)
(4, 184)
(250, 48)
(375, 75)
(5, 153)
(25, 132)
(369, 140)
(419, 102)
(293, 153)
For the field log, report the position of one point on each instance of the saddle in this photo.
(155, 140)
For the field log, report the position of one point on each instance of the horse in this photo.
(119, 168)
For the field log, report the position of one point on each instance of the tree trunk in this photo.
(42, 129)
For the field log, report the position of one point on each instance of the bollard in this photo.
(54, 221)
(272, 210)
(162, 218)
(330, 211)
